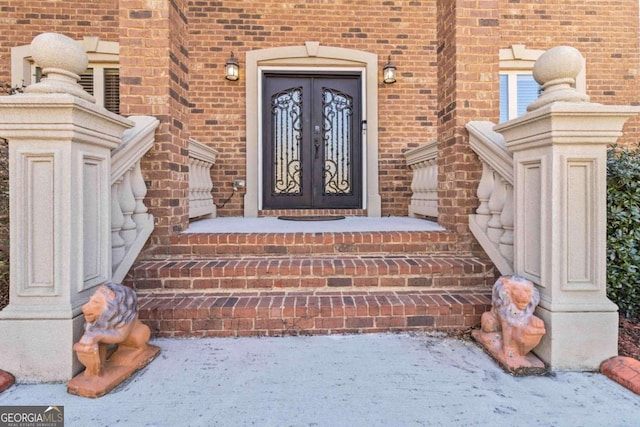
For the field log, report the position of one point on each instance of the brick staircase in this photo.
(239, 284)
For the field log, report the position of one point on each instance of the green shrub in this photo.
(623, 229)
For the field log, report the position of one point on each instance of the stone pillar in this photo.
(559, 152)
(60, 146)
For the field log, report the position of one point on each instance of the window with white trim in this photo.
(518, 88)
(101, 79)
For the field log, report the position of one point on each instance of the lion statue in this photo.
(112, 318)
(514, 300)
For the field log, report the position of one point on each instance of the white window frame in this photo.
(512, 90)
(101, 54)
(517, 59)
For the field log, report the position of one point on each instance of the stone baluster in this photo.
(133, 221)
(431, 182)
(207, 184)
(506, 218)
(415, 183)
(492, 224)
(127, 205)
(420, 177)
(201, 160)
(424, 184)
(496, 204)
(139, 189)
(201, 186)
(485, 187)
(117, 221)
(192, 182)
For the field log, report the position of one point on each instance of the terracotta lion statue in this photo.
(514, 300)
(112, 318)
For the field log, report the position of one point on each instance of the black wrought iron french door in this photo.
(312, 141)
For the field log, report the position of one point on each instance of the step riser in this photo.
(257, 284)
(204, 245)
(208, 315)
(304, 272)
(311, 282)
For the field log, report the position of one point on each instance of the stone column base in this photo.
(40, 350)
(577, 341)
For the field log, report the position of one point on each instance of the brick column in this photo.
(468, 89)
(153, 40)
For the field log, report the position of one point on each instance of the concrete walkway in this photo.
(358, 380)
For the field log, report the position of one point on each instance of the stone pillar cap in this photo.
(62, 60)
(556, 71)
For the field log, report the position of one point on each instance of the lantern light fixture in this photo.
(232, 68)
(389, 72)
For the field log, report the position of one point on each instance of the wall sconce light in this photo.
(389, 72)
(231, 68)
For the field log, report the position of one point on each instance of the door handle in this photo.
(316, 140)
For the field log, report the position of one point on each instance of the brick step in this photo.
(221, 244)
(317, 271)
(304, 312)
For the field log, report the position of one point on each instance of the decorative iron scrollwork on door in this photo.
(337, 116)
(286, 112)
(312, 144)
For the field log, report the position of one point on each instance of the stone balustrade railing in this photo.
(492, 224)
(78, 218)
(201, 159)
(131, 225)
(424, 185)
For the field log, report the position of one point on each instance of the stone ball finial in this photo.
(62, 60)
(559, 62)
(52, 50)
(556, 71)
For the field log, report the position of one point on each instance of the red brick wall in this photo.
(154, 69)
(23, 20)
(172, 56)
(468, 89)
(606, 32)
(405, 30)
